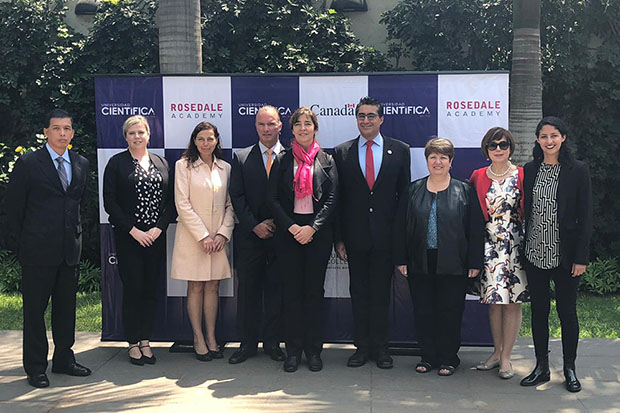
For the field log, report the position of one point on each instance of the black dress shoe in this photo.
(384, 360)
(540, 374)
(275, 352)
(291, 364)
(72, 369)
(314, 362)
(358, 359)
(572, 383)
(38, 380)
(242, 355)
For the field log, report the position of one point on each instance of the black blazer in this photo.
(119, 191)
(249, 193)
(324, 186)
(574, 200)
(44, 220)
(367, 218)
(460, 228)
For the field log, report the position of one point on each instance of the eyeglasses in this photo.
(369, 116)
(503, 145)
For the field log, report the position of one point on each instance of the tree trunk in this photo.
(180, 39)
(526, 77)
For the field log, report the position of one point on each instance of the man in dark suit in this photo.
(374, 174)
(258, 280)
(43, 211)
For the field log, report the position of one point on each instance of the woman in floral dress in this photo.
(503, 283)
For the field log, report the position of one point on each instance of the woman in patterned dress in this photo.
(558, 222)
(138, 198)
(503, 283)
(205, 225)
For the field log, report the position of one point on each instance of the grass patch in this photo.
(599, 317)
(88, 312)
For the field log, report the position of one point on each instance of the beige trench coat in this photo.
(204, 208)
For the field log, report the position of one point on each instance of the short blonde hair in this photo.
(441, 146)
(134, 120)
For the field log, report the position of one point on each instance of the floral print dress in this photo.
(503, 280)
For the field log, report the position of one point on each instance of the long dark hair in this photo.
(566, 155)
(191, 153)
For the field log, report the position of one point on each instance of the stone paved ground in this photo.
(178, 382)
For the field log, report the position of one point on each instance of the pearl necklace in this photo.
(502, 173)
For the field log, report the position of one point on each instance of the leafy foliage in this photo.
(580, 43)
(452, 35)
(10, 272)
(281, 36)
(11, 275)
(601, 277)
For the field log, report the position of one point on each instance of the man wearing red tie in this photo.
(374, 173)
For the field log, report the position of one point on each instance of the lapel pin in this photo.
(389, 151)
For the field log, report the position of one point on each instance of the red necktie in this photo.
(370, 165)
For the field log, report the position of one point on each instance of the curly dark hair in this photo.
(192, 154)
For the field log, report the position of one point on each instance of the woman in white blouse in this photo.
(205, 224)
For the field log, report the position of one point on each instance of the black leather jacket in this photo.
(325, 190)
(460, 228)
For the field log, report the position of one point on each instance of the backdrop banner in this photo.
(460, 106)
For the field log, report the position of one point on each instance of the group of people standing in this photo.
(503, 236)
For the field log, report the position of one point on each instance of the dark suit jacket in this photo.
(119, 192)
(249, 193)
(44, 220)
(324, 187)
(574, 200)
(368, 218)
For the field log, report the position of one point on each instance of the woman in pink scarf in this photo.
(304, 184)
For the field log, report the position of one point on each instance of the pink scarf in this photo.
(302, 182)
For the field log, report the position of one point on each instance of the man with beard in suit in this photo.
(255, 259)
(43, 211)
(374, 174)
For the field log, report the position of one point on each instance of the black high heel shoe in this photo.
(148, 360)
(216, 354)
(203, 357)
(135, 361)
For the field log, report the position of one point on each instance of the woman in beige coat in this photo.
(205, 224)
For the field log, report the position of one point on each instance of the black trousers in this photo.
(259, 291)
(139, 269)
(370, 279)
(302, 270)
(39, 283)
(566, 305)
(438, 305)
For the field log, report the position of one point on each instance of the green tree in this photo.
(281, 36)
(36, 52)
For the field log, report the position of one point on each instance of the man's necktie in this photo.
(62, 173)
(269, 160)
(370, 165)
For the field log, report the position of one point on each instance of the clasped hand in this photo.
(145, 238)
(265, 229)
(212, 244)
(303, 235)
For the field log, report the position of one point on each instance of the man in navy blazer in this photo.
(43, 210)
(253, 238)
(374, 174)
